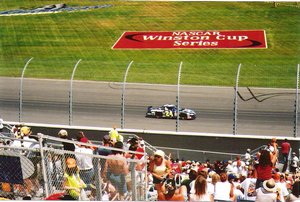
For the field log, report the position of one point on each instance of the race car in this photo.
(170, 111)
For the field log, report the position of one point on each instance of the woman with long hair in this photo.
(160, 168)
(201, 190)
(263, 170)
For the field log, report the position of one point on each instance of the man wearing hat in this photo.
(268, 192)
(294, 163)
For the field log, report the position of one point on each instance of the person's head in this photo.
(169, 186)
(118, 145)
(71, 166)
(159, 155)
(80, 135)
(215, 178)
(106, 140)
(200, 185)
(273, 140)
(25, 131)
(63, 134)
(265, 158)
(269, 185)
(223, 177)
(193, 174)
(293, 153)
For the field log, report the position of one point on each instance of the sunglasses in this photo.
(156, 156)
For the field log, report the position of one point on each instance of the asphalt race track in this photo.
(263, 112)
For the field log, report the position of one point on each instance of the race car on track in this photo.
(169, 111)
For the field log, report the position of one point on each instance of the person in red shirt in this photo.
(285, 150)
(263, 171)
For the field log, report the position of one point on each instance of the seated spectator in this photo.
(239, 166)
(200, 191)
(281, 186)
(192, 176)
(223, 189)
(171, 193)
(248, 185)
(295, 195)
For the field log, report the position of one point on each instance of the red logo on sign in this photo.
(192, 39)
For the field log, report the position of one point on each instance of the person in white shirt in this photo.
(294, 163)
(281, 187)
(248, 185)
(223, 189)
(85, 162)
(200, 191)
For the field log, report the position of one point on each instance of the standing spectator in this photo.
(285, 150)
(201, 192)
(116, 169)
(248, 157)
(73, 184)
(104, 151)
(223, 189)
(267, 193)
(160, 169)
(115, 136)
(171, 193)
(294, 163)
(66, 145)
(263, 170)
(85, 162)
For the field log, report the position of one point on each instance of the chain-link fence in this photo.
(42, 169)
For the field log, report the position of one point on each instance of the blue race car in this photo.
(169, 111)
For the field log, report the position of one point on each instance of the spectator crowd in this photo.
(258, 176)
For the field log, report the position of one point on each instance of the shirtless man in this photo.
(115, 170)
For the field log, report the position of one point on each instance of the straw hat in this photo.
(269, 185)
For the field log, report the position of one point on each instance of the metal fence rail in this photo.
(41, 170)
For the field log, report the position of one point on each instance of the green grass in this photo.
(58, 41)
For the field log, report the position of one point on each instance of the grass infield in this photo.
(57, 41)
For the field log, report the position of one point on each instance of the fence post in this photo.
(71, 94)
(123, 95)
(296, 104)
(235, 101)
(177, 97)
(133, 183)
(21, 90)
(98, 183)
(41, 136)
